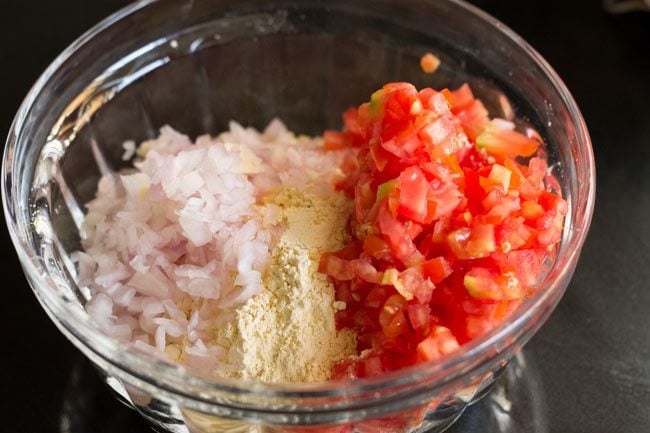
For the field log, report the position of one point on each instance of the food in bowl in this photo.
(208, 253)
(196, 65)
(282, 258)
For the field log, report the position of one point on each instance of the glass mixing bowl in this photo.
(197, 64)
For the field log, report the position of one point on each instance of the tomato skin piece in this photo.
(380, 157)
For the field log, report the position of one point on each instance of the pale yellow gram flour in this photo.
(287, 333)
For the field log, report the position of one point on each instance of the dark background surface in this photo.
(588, 368)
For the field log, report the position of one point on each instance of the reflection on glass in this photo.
(89, 407)
(624, 6)
(516, 404)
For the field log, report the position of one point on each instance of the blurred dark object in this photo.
(625, 6)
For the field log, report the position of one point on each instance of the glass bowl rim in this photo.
(168, 372)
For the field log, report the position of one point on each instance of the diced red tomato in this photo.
(498, 141)
(354, 122)
(334, 140)
(502, 209)
(516, 175)
(472, 243)
(482, 283)
(450, 231)
(525, 265)
(502, 175)
(442, 198)
(419, 316)
(553, 202)
(376, 247)
(531, 210)
(533, 185)
(513, 234)
(439, 343)
(463, 97)
(336, 267)
(436, 269)
(429, 63)
(473, 118)
(413, 282)
(413, 188)
(365, 270)
(395, 235)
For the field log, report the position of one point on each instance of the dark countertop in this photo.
(587, 370)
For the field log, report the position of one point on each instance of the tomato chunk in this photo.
(436, 269)
(439, 343)
(413, 189)
(334, 140)
(482, 283)
(499, 141)
(429, 63)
